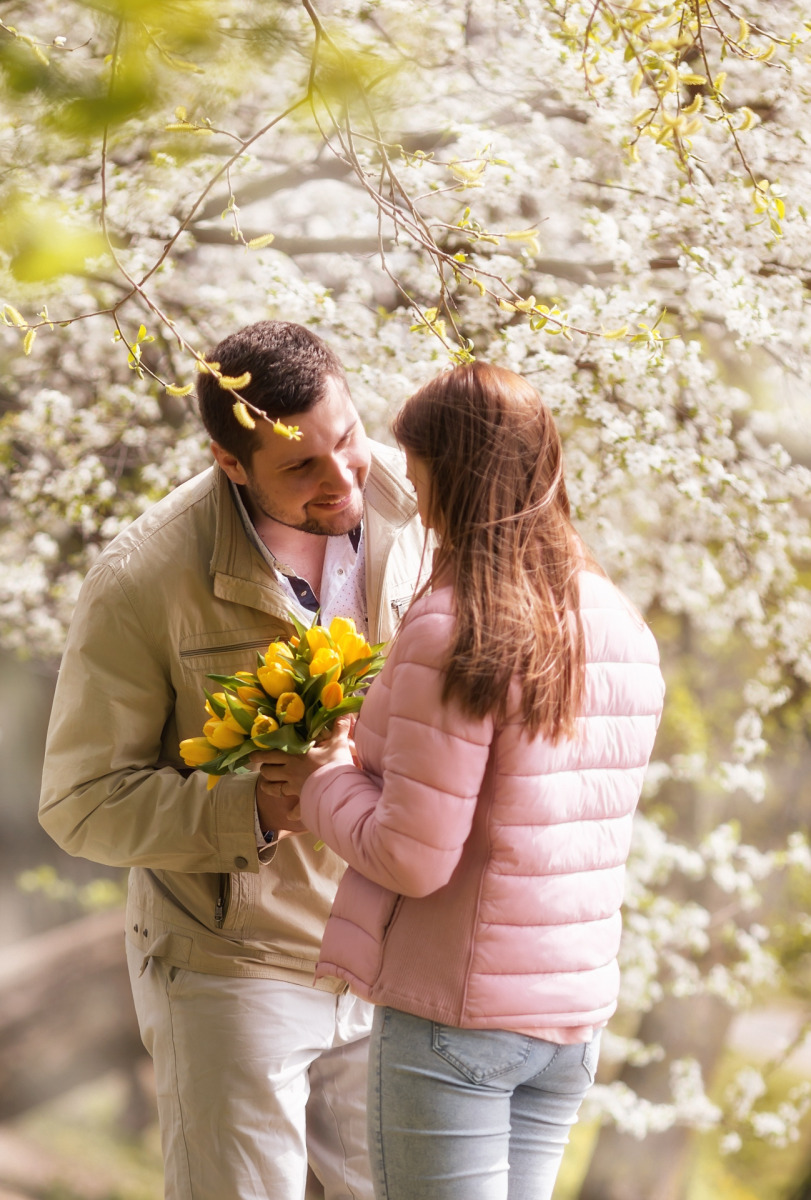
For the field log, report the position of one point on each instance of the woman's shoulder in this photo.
(612, 621)
(427, 627)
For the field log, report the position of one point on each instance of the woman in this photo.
(486, 819)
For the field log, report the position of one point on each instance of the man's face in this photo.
(314, 484)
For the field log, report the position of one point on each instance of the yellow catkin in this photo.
(234, 382)
(243, 416)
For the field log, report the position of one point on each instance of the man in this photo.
(257, 1067)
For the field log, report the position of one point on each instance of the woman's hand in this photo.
(282, 776)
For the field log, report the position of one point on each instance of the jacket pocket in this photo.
(399, 604)
(389, 921)
(223, 901)
(591, 1055)
(207, 651)
(384, 927)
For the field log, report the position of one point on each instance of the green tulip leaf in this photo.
(372, 664)
(238, 755)
(327, 716)
(217, 705)
(287, 738)
(240, 712)
(300, 629)
(228, 681)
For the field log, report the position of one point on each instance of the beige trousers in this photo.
(255, 1078)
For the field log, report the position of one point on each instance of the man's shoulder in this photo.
(388, 458)
(388, 491)
(166, 522)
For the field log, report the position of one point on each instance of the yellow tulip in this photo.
(196, 751)
(220, 696)
(289, 708)
(340, 626)
(230, 722)
(277, 652)
(263, 724)
(317, 638)
(236, 707)
(353, 646)
(324, 660)
(226, 738)
(274, 679)
(332, 694)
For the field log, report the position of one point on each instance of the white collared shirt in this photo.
(343, 580)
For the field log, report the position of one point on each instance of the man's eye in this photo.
(301, 465)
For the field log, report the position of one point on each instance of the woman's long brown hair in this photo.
(507, 544)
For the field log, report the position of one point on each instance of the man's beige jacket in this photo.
(179, 594)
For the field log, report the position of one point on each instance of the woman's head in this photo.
(493, 453)
(498, 502)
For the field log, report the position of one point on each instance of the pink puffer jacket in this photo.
(486, 869)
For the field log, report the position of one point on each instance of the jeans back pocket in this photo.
(481, 1054)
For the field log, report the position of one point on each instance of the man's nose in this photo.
(339, 474)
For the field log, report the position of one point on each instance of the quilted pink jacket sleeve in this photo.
(403, 820)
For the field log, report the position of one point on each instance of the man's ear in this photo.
(229, 463)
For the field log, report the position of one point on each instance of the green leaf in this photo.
(216, 766)
(229, 681)
(374, 663)
(238, 755)
(287, 738)
(239, 712)
(217, 705)
(311, 689)
(300, 629)
(326, 718)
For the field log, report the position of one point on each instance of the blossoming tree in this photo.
(610, 197)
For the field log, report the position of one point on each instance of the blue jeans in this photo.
(469, 1114)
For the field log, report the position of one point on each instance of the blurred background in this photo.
(609, 198)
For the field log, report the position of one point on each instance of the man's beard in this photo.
(317, 528)
(311, 524)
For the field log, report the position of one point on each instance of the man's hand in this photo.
(278, 806)
(282, 776)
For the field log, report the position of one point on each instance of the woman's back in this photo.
(502, 856)
(503, 750)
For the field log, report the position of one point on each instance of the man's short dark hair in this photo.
(289, 367)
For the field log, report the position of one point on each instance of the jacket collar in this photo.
(385, 492)
(238, 572)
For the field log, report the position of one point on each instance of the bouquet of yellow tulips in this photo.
(300, 687)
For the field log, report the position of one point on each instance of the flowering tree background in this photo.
(610, 197)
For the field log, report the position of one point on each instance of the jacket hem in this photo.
(527, 1023)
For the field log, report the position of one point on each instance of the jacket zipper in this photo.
(204, 650)
(223, 899)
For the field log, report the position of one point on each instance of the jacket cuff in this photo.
(313, 791)
(235, 805)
